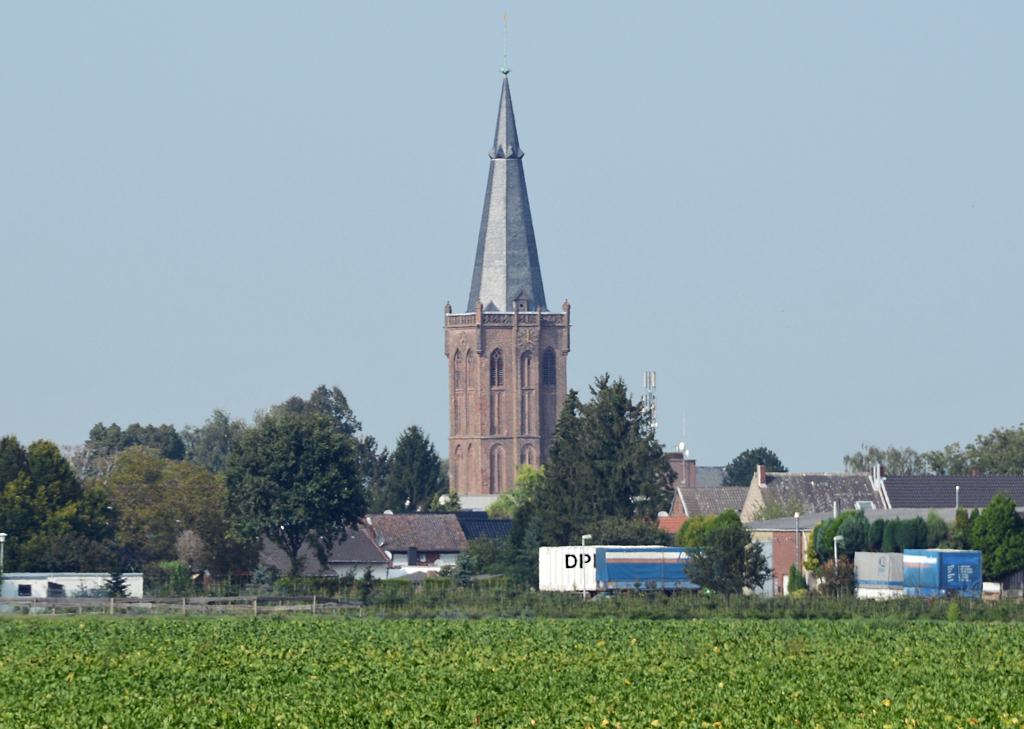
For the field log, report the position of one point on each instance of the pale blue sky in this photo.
(805, 216)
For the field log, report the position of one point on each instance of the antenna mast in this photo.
(649, 401)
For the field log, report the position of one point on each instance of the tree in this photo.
(854, 531)
(189, 547)
(209, 445)
(875, 535)
(293, 479)
(628, 532)
(890, 541)
(115, 584)
(448, 503)
(604, 461)
(692, 532)
(827, 530)
(911, 534)
(897, 461)
(367, 586)
(837, 579)
(156, 500)
(960, 531)
(163, 438)
(52, 522)
(741, 470)
(1001, 452)
(414, 473)
(999, 533)
(936, 530)
(728, 560)
(528, 483)
(373, 470)
(329, 402)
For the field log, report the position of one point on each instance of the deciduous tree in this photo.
(1001, 452)
(897, 461)
(294, 479)
(51, 521)
(999, 533)
(210, 444)
(156, 500)
(728, 560)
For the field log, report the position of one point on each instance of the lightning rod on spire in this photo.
(505, 69)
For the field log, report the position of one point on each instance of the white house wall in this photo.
(74, 583)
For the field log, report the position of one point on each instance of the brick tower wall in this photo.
(506, 385)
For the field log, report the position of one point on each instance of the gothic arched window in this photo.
(456, 470)
(457, 370)
(498, 369)
(526, 376)
(497, 469)
(548, 371)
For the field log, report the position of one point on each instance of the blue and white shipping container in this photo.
(642, 568)
(942, 573)
(606, 568)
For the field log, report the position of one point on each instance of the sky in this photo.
(805, 217)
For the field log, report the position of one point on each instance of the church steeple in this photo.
(507, 268)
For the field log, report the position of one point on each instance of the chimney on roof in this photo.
(975, 472)
(762, 475)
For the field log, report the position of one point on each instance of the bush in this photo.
(796, 579)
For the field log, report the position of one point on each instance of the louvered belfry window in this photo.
(497, 369)
(548, 368)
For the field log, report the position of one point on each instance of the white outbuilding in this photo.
(65, 584)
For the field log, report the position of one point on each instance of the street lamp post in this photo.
(3, 538)
(835, 556)
(583, 563)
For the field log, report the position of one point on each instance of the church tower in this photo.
(507, 353)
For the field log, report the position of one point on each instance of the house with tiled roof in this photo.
(810, 492)
(417, 543)
(707, 502)
(355, 553)
(944, 492)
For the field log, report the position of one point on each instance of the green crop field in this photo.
(233, 672)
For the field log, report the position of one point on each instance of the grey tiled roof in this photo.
(425, 532)
(358, 548)
(817, 491)
(506, 265)
(940, 491)
(710, 476)
(712, 501)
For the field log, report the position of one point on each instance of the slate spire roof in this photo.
(506, 266)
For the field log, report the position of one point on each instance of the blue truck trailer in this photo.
(942, 572)
(642, 568)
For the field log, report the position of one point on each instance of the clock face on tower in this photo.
(527, 338)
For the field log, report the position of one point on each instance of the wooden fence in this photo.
(241, 605)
